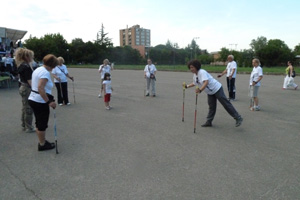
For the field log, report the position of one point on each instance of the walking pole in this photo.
(183, 90)
(73, 91)
(55, 132)
(195, 110)
(61, 93)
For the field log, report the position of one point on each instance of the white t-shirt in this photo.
(149, 69)
(230, 66)
(107, 86)
(105, 69)
(255, 74)
(60, 72)
(39, 73)
(213, 85)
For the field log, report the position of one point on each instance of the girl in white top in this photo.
(107, 90)
(255, 78)
(149, 75)
(214, 90)
(105, 68)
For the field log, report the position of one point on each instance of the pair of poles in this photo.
(195, 117)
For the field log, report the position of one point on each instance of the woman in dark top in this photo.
(23, 59)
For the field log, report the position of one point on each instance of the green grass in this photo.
(183, 68)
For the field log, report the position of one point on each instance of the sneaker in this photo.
(257, 108)
(31, 130)
(60, 104)
(99, 96)
(68, 104)
(154, 95)
(207, 124)
(252, 108)
(107, 107)
(239, 121)
(147, 95)
(46, 146)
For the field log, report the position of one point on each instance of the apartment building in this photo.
(136, 37)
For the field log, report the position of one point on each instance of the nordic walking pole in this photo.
(61, 93)
(195, 110)
(55, 132)
(73, 91)
(183, 90)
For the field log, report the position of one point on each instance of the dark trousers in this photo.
(63, 91)
(212, 104)
(231, 88)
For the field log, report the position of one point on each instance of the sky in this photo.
(232, 24)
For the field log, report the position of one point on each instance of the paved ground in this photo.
(141, 150)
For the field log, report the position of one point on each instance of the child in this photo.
(107, 90)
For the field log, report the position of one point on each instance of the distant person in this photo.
(289, 79)
(23, 59)
(150, 76)
(104, 68)
(230, 72)
(214, 91)
(61, 75)
(107, 90)
(255, 78)
(40, 99)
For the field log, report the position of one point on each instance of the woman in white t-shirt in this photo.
(214, 90)
(105, 68)
(61, 75)
(40, 99)
(255, 78)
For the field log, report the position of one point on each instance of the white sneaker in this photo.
(99, 96)
(257, 108)
(68, 104)
(60, 104)
(107, 108)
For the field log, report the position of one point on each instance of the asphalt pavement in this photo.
(141, 149)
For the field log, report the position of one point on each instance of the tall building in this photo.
(136, 37)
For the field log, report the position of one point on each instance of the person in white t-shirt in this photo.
(255, 78)
(40, 99)
(105, 68)
(61, 75)
(214, 90)
(230, 72)
(107, 90)
(149, 75)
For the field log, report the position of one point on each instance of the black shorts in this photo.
(41, 112)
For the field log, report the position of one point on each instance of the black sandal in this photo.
(47, 146)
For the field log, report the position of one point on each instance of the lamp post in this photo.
(68, 55)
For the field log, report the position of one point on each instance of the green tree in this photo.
(102, 38)
(258, 44)
(297, 50)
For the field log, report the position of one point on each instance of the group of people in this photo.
(35, 90)
(36, 85)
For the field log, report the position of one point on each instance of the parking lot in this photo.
(142, 150)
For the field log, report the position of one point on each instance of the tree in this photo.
(276, 53)
(258, 44)
(102, 38)
(297, 50)
(49, 44)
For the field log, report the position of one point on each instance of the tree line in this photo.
(272, 52)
